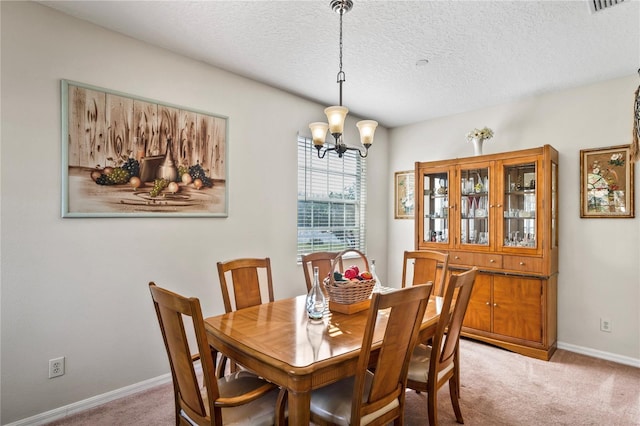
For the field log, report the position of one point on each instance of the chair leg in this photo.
(432, 404)
(456, 365)
(222, 366)
(455, 398)
(281, 418)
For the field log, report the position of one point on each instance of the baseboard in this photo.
(92, 402)
(620, 359)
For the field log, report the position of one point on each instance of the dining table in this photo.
(277, 341)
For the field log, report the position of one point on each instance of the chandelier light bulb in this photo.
(318, 133)
(367, 128)
(336, 116)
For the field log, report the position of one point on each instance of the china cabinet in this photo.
(498, 212)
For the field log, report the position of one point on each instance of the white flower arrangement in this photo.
(484, 133)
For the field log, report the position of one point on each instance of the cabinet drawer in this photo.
(481, 260)
(523, 263)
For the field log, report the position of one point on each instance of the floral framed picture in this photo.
(606, 183)
(404, 194)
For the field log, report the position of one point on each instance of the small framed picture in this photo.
(404, 194)
(606, 183)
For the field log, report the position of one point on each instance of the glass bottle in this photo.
(377, 286)
(316, 302)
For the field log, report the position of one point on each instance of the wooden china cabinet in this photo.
(498, 212)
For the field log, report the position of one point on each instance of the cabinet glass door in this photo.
(519, 206)
(474, 206)
(436, 207)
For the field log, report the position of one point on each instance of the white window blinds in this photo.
(331, 200)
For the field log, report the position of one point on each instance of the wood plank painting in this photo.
(129, 156)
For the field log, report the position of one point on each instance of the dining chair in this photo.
(321, 259)
(245, 280)
(241, 398)
(428, 266)
(244, 275)
(376, 396)
(432, 366)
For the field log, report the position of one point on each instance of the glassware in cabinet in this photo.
(519, 224)
(435, 207)
(474, 206)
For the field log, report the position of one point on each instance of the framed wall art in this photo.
(606, 183)
(126, 156)
(404, 194)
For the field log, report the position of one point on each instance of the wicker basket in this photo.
(348, 292)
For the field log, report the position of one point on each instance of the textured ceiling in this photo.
(480, 53)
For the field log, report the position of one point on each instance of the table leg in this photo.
(299, 408)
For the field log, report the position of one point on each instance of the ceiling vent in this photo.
(598, 5)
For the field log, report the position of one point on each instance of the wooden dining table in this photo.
(277, 341)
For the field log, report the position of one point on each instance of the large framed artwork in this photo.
(126, 156)
(606, 183)
(404, 194)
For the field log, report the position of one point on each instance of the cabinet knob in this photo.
(499, 205)
(495, 304)
(521, 263)
(492, 261)
(456, 257)
(487, 303)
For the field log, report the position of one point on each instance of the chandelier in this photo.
(336, 115)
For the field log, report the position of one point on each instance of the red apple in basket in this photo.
(350, 273)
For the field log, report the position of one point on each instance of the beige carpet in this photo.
(498, 388)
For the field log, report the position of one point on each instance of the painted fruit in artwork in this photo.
(135, 182)
(173, 187)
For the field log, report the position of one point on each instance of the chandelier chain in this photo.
(341, 75)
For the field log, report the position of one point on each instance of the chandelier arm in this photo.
(366, 152)
(340, 148)
(319, 148)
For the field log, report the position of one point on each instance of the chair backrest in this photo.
(172, 309)
(428, 266)
(321, 259)
(454, 307)
(245, 279)
(404, 318)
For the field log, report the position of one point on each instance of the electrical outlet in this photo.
(605, 325)
(56, 367)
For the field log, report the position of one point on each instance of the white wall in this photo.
(599, 267)
(78, 287)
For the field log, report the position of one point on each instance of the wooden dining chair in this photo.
(376, 396)
(432, 366)
(244, 276)
(239, 399)
(321, 259)
(428, 266)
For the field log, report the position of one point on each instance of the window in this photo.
(331, 200)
